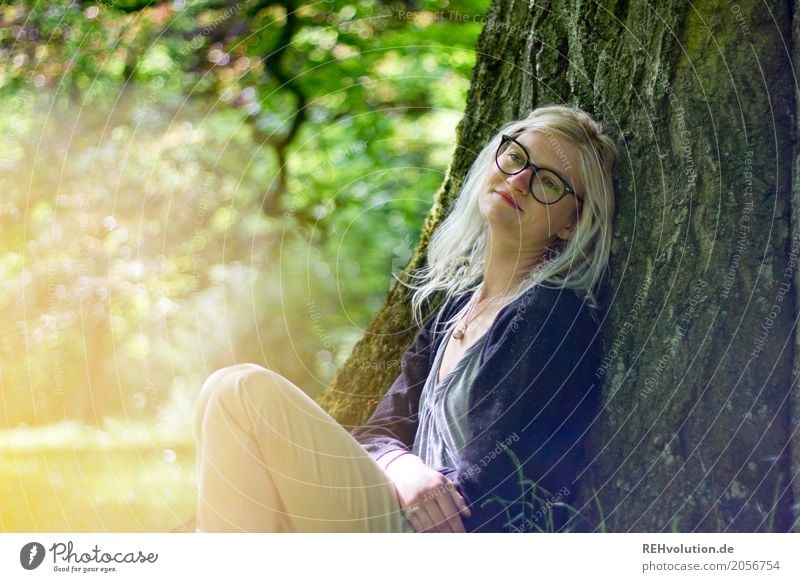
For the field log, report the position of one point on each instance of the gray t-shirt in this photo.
(443, 406)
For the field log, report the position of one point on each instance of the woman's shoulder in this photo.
(561, 303)
(556, 312)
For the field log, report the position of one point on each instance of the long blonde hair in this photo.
(455, 254)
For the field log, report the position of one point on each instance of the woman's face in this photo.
(526, 223)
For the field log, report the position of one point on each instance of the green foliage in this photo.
(142, 141)
(141, 144)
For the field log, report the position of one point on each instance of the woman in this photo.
(483, 428)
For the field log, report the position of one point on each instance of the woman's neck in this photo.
(504, 271)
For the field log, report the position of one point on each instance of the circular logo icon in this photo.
(31, 555)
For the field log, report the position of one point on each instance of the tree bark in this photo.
(699, 425)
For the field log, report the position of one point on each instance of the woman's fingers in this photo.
(450, 511)
(445, 509)
(437, 509)
(421, 521)
(415, 521)
(461, 503)
(457, 498)
(428, 518)
(424, 522)
(439, 515)
(437, 521)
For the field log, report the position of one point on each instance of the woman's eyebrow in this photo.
(549, 166)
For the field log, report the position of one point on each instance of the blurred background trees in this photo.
(189, 184)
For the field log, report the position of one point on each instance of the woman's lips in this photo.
(505, 196)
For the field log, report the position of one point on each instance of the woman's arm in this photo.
(392, 427)
(535, 395)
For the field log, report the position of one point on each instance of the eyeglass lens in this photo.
(545, 185)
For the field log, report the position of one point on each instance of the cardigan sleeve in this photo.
(534, 397)
(393, 424)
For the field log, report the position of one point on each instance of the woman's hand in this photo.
(438, 503)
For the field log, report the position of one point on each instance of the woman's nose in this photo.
(521, 181)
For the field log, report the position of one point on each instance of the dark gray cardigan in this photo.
(534, 397)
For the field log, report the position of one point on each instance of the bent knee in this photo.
(234, 381)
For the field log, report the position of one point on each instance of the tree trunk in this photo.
(699, 407)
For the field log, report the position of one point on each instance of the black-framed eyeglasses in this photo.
(546, 185)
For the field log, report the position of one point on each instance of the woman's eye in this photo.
(551, 184)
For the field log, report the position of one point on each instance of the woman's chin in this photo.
(497, 204)
(503, 217)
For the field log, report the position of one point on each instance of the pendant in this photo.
(458, 334)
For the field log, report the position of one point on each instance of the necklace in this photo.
(458, 333)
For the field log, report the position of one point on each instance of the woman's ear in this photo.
(566, 231)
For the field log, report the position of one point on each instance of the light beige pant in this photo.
(270, 459)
